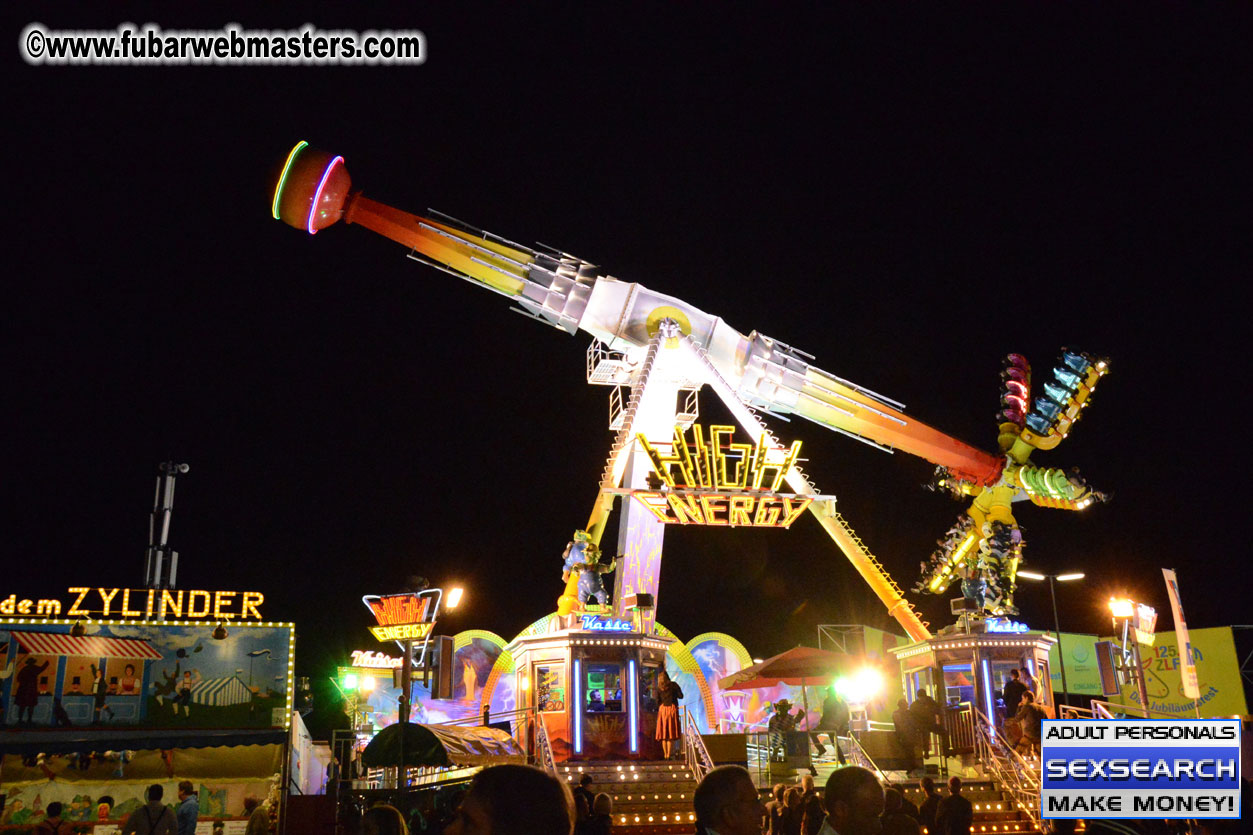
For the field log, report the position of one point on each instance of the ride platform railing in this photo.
(544, 749)
(855, 754)
(1114, 710)
(694, 751)
(1011, 770)
(959, 721)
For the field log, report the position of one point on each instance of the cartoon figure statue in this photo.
(581, 574)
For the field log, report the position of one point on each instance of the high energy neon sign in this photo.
(719, 482)
(405, 618)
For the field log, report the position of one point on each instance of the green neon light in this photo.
(278, 191)
(1061, 486)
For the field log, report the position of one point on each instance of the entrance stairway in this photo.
(996, 812)
(649, 797)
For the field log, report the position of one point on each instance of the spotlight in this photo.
(78, 630)
(219, 633)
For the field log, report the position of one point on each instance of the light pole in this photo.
(1124, 611)
(1057, 629)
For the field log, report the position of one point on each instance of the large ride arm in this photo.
(561, 290)
(314, 191)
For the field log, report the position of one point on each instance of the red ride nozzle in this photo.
(311, 189)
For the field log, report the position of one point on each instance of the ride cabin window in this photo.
(604, 688)
(550, 688)
(648, 688)
(958, 684)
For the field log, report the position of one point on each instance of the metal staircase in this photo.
(1019, 776)
(1005, 795)
(622, 442)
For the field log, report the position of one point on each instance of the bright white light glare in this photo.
(1031, 575)
(861, 687)
(367, 684)
(454, 597)
(350, 681)
(1061, 578)
(1122, 607)
(756, 660)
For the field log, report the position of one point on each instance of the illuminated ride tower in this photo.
(659, 351)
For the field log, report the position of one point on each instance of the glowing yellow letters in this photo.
(720, 482)
(163, 603)
(402, 632)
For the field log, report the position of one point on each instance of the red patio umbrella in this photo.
(794, 667)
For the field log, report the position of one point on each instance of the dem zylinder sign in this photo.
(141, 603)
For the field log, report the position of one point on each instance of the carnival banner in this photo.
(1217, 670)
(1191, 686)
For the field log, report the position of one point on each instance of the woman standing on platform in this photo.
(668, 729)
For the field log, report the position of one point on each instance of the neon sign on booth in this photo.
(374, 660)
(1005, 625)
(595, 623)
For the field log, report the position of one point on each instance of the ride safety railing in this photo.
(694, 750)
(856, 755)
(1072, 712)
(1015, 773)
(513, 717)
(1113, 710)
(523, 724)
(959, 721)
(735, 726)
(544, 749)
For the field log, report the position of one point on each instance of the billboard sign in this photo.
(1217, 675)
(146, 674)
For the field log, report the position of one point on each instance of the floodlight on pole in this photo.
(454, 597)
(1124, 612)
(1122, 607)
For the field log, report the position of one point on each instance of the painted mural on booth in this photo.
(157, 675)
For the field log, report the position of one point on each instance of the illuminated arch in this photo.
(725, 640)
(734, 647)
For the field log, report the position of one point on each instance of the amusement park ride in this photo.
(664, 350)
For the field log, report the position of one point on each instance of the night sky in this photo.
(907, 193)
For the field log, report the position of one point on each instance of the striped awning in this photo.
(88, 646)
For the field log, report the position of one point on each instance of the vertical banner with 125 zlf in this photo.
(1188, 669)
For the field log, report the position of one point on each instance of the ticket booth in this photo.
(593, 684)
(966, 672)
